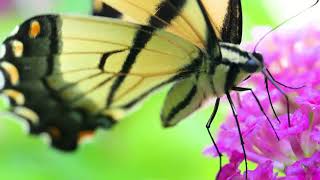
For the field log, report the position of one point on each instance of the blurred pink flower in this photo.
(306, 168)
(293, 58)
(38, 6)
(26, 7)
(5, 5)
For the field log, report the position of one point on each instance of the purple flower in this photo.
(293, 58)
(307, 168)
(231, 172)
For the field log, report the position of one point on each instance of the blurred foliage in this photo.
(137, 148)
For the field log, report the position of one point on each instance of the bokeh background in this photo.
(137, 148)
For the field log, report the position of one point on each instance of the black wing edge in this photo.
(232, 26)
(65, 125)
(102, 9)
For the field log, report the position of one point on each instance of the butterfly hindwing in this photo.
(184, 98)
(30, 56)
(89, 71)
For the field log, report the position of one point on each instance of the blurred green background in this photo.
(138, 147)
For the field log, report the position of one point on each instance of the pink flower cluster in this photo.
(293, 57)
(4, 6)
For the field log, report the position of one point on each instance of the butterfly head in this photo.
(253, 64)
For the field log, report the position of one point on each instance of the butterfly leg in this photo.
(268, 76)
(239, 130)
(269, 97)
(239, 100)
(208, 125)
(239, 89)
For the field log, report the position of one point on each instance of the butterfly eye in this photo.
(251, 66)
(258, 56)
(35, 29)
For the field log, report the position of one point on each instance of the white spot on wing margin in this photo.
(2, 51)
(2, 80)
(15, 31)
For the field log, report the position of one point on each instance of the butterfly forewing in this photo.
(225, 16)
(181, 17)
(162, 58)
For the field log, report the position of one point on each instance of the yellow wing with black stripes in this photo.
(119, 66)
(69, 75)
(184, 98)
(199, 21)
(225, 16)
(80, 73)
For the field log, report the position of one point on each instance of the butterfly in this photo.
(69, 75)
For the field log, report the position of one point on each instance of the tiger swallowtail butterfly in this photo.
(69, 75)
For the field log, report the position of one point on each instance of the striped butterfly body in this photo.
(68, 75)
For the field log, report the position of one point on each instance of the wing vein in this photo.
(82, 95)
(130, 47)
(79, 81)
(174, 71)
(177, 27)
(190, 25)
(117, 98)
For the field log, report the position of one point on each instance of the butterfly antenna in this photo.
(285, 21)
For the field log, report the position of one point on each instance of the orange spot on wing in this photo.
(54, 132)
(35, 29)
(85, 134)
